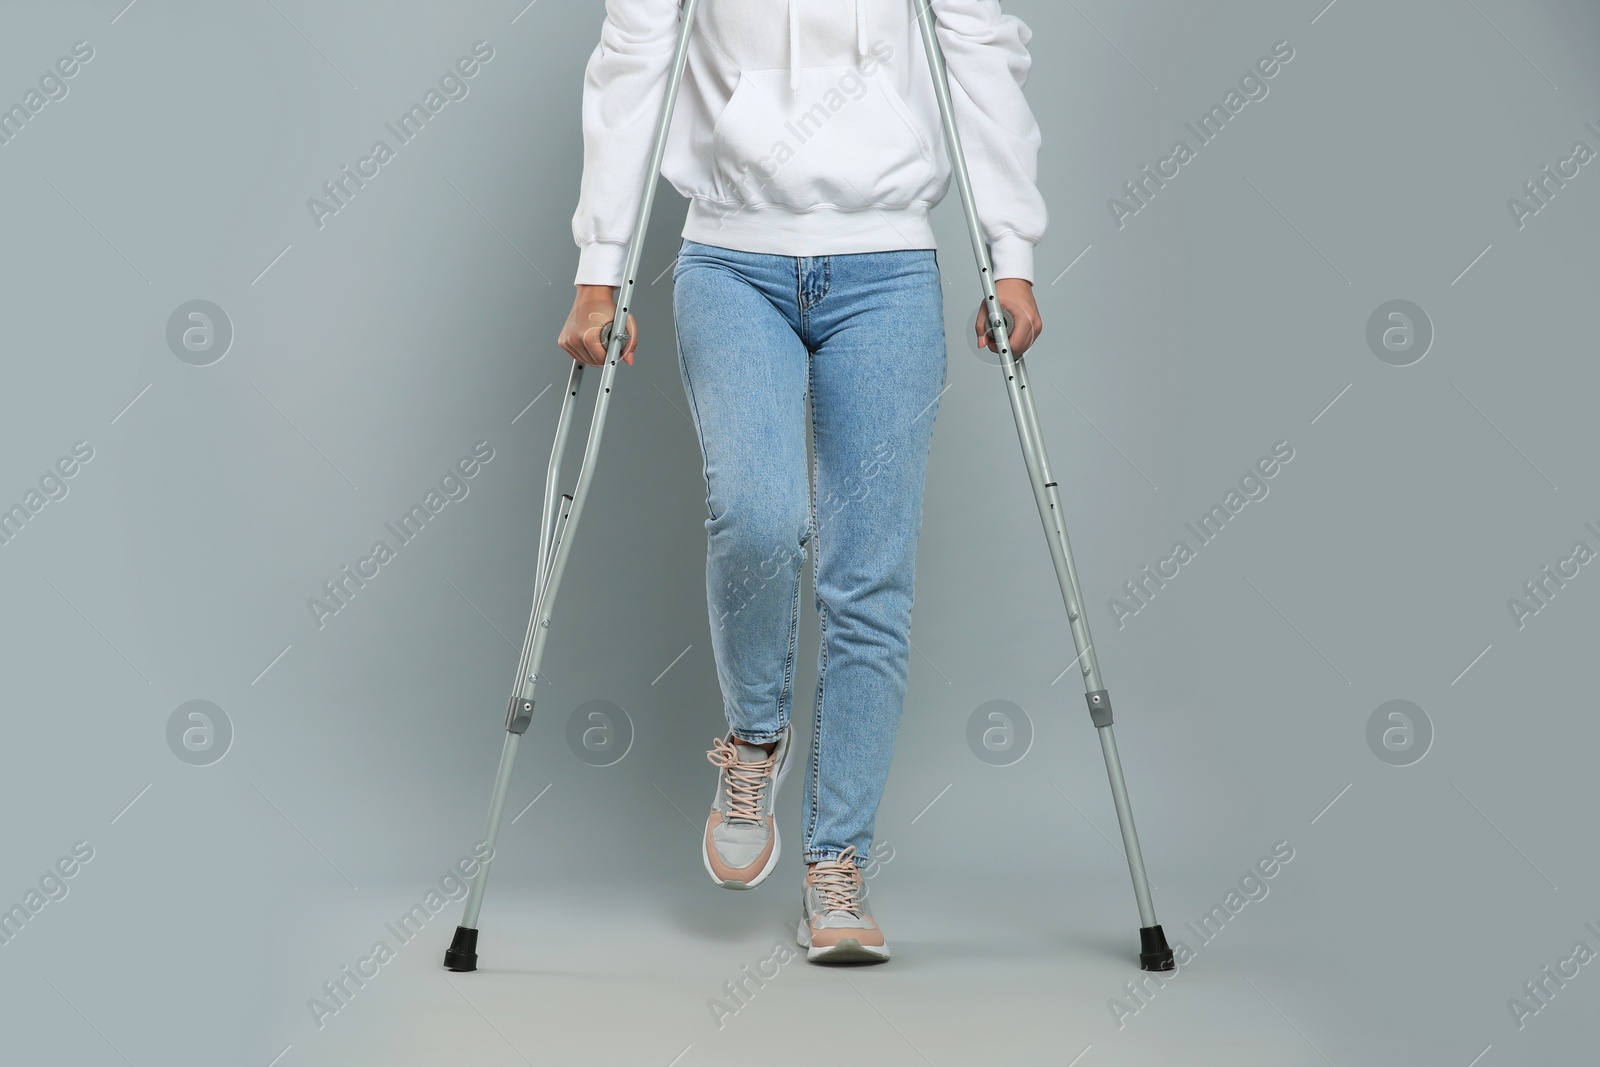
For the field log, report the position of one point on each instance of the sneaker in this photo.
(740, 847)
(836, 926)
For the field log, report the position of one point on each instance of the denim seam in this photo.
(818, 719)
(694, 406)
(801, 311)
(806, 299)
(814, 799)
(785, 693)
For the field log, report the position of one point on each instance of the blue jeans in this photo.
(863, 336)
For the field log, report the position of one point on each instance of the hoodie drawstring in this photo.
(794, 39)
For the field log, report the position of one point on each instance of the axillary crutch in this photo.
(1154, 954)
(561, 511)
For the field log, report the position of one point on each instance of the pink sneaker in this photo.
(836, 926)
(740, 846)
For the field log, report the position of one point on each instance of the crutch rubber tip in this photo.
(1154, 955)
(462, 955)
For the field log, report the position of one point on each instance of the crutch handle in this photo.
(1010, 321)
(605, 334)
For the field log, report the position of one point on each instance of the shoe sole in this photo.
(777, 840)
(846, 950)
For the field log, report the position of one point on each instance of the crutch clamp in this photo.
(605, 334)
(1099, 707)
(1154, 954)
(462, 955)
(519, 715)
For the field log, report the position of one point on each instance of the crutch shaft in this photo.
(1130, 836)
(1154, 953)
(520, 712)
(552, 481)
(491, 831)
(559, 519)
(1048, 498)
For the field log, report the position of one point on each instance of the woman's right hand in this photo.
(593, 307)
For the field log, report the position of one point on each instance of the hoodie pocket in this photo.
(844, 139)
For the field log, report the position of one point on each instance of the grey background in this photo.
(369, 355)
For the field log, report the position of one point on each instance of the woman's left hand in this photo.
(1016, 296)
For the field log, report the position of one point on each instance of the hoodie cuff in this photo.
(601, 263)
(1012, 257)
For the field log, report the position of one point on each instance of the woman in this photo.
(807, 137)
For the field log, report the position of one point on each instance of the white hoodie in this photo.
(808, 128)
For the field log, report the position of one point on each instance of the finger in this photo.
(1020, 336)
(1022, 330)
(592, 346)
(633, 342)
(1030, 335)
(571, 344)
